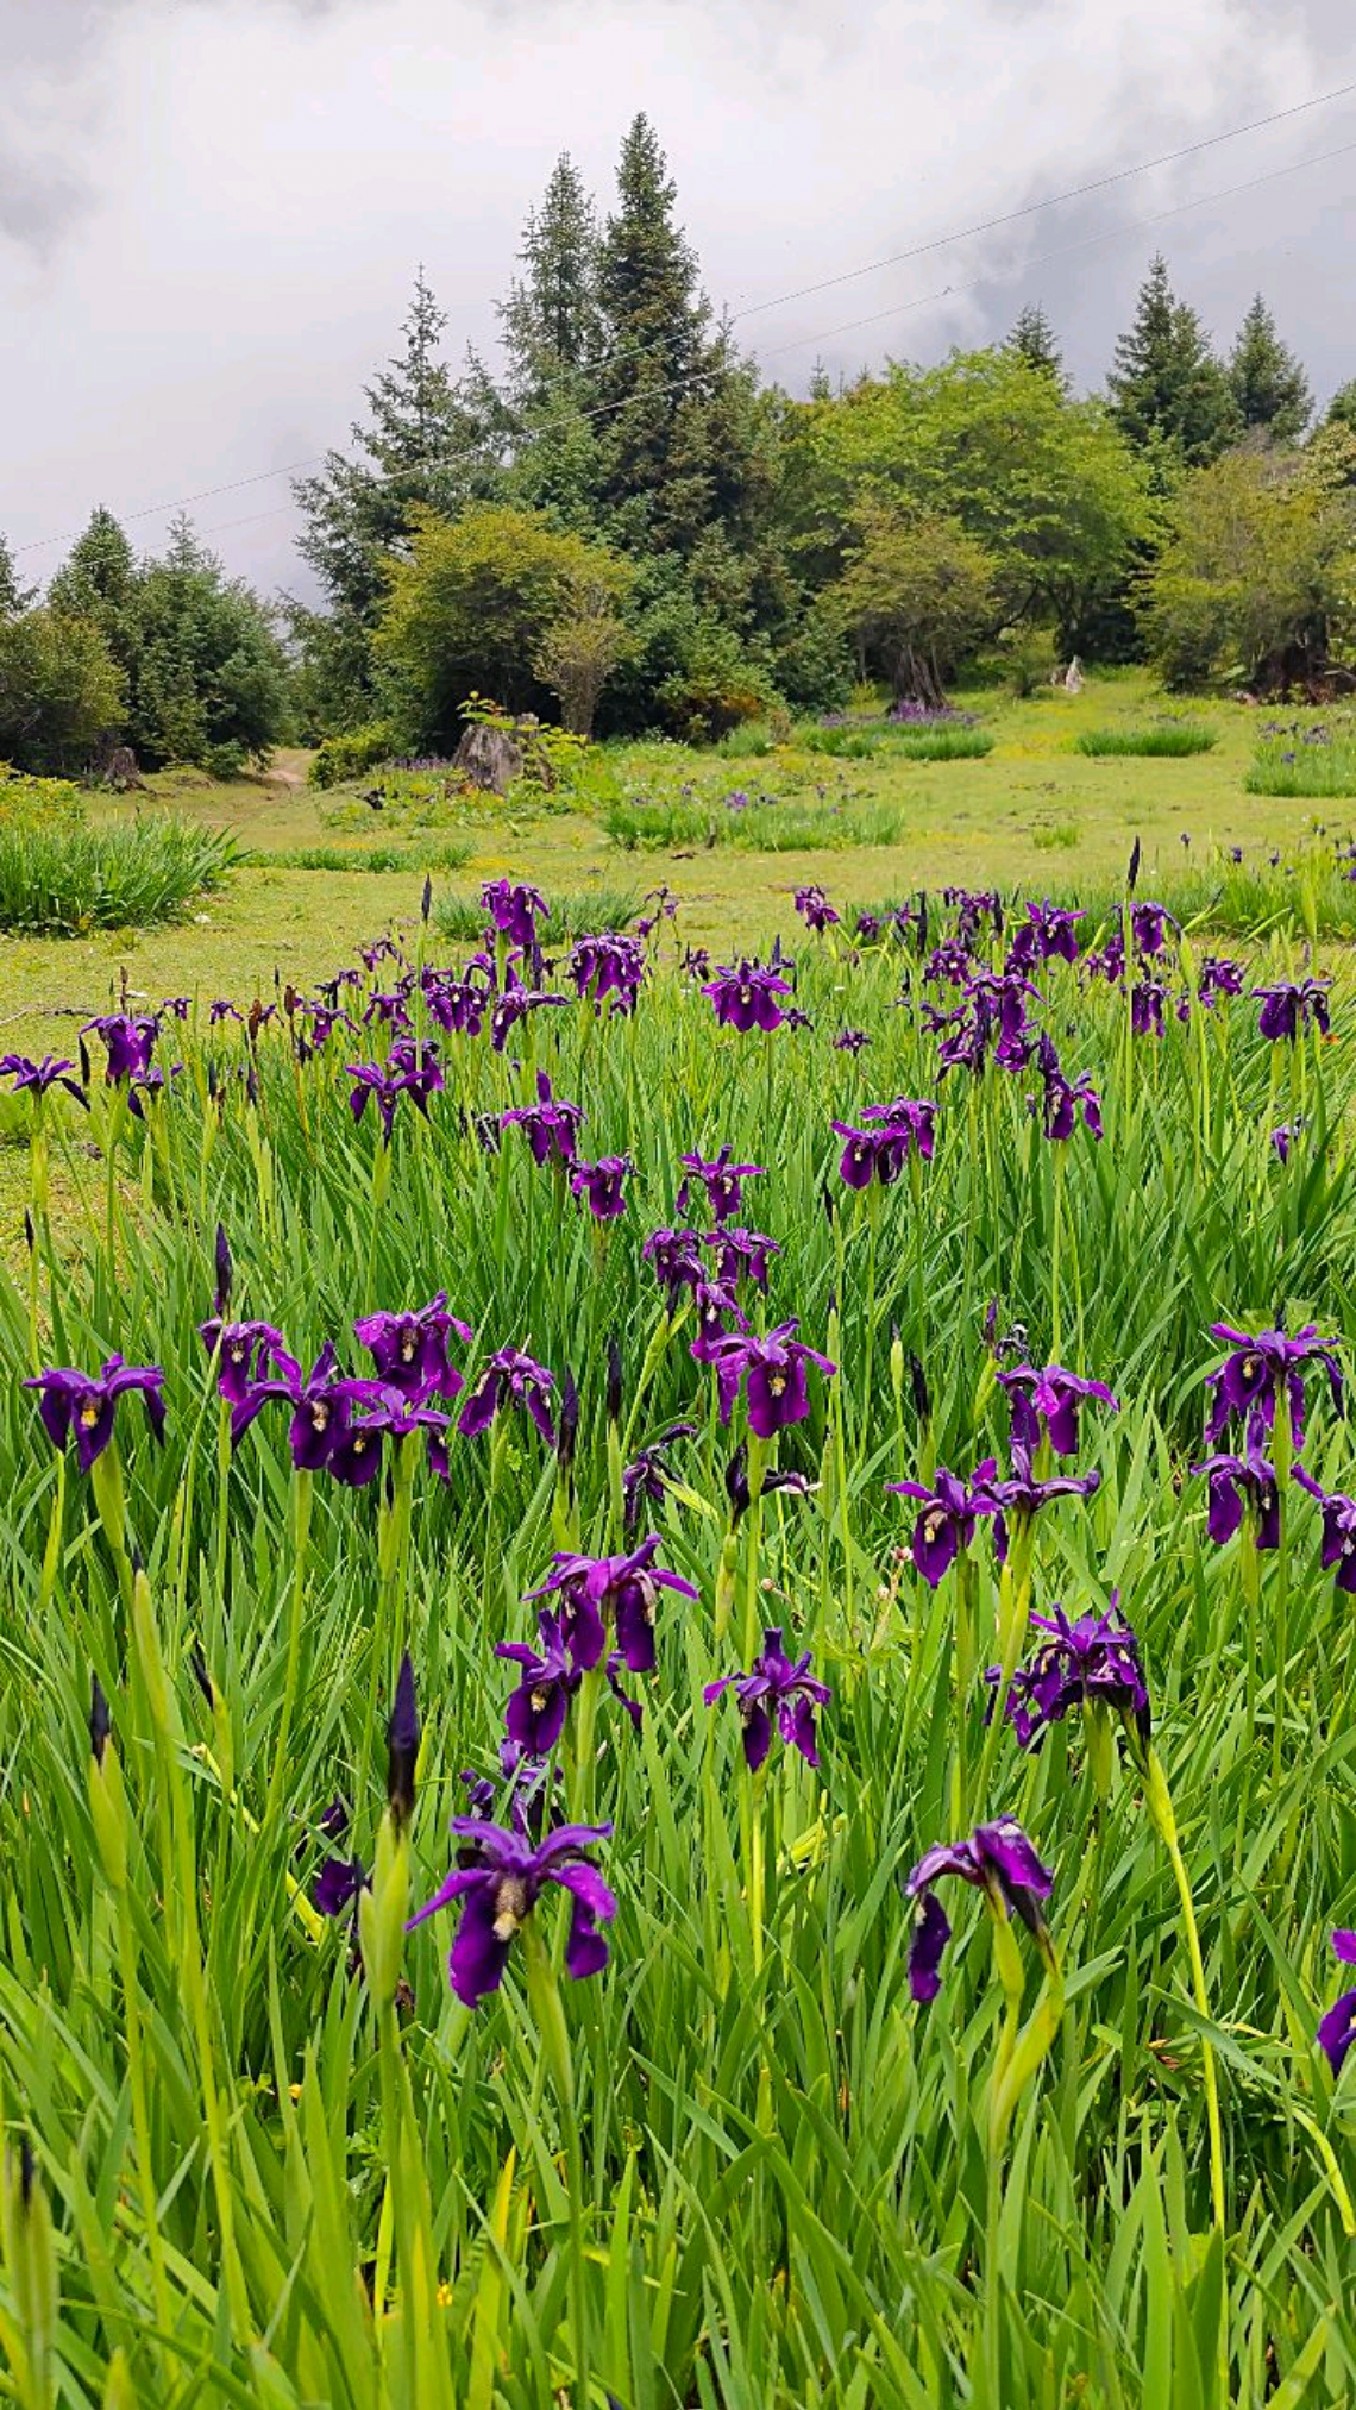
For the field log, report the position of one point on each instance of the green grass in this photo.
(445, 855)
(70, 876)
(883, 741)
(1170, 742)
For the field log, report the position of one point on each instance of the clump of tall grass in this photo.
(750, 826)
(1304, 762)
(1166, 740)
(1311, 895)
(897, 742)
(449, 855)
(463, 918)
(62, 873)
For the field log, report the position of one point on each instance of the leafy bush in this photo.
(1304, 762)
(60, 691)
(1169, 740)
(348, 756)
(61, 874)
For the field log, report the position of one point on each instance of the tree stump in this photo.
(489, 759)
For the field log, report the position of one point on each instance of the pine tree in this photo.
(1033, 339)
(14, 598)
(1269, 385)
(550, 320)
(430, 439)
(1167, 386)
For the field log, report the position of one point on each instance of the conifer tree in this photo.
(14, 598)
(1167, 387)
(1033, 339)
(97, 580)
(1269, 385)
(550, 319)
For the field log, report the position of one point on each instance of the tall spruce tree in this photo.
(549, 323)
(1033, 339)
(97, 581)
(1167, 386)
(659, 358)
(430, 439)
(1270, 388)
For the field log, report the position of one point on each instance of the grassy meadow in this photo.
(872, 1521)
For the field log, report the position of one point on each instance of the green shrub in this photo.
(1170, 740)
(61, 874)
(350, 755)
(224, 762)
(1304, 764)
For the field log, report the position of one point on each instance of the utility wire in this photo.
(920, 301)
(755, 309)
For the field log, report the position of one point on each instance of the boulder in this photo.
(489, 758)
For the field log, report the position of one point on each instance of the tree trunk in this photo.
(489, 759)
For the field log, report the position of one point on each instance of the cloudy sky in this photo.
(211, 210)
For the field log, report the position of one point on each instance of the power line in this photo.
(941, 242)
(898, 309)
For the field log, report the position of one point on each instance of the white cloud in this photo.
(214, 211)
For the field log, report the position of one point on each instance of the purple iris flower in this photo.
(777, 1691)
(745, 996)
(1283, 1137)
(460, 1005)
(391, 1009)
(646, 1477)
(1237, 1482)
(405, 1072)
(143, 1085)
(718, 1313)
(513, 1005)
(721, 1179)
(1051, 1398)
(950, 1513)
(222, 1009)
(774, 1367)
(1109, 964)
(741, 1255)
(547, 1681)
(514, 910)
(85, 1403)
(851, 1041)
(1091, 1663)
(128, 1039)
(1022, 1494)
(674, 1256)
(608, 965)
(1219, 976)
(1290, 1005)
(410, 1350)
(337, 1885)
(1147, 999)
(1063, 1097)
(51, 1072)
(244, 1351)
(510, 1378)
(355, 1451)
(498, 1883)
(1337, 2030)
(321, 1406)
(1148, 926)
(596, 1593)
(601, 1185)
(949, 964)
(815, 909)
(1049, 934)
(1339, 1529)
(999, 1860)
(881, 1151)
(178, 1007)
(1249, 1380)
(550, 1126)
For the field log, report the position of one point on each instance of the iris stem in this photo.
(303, 1485)
(1158, 1800)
